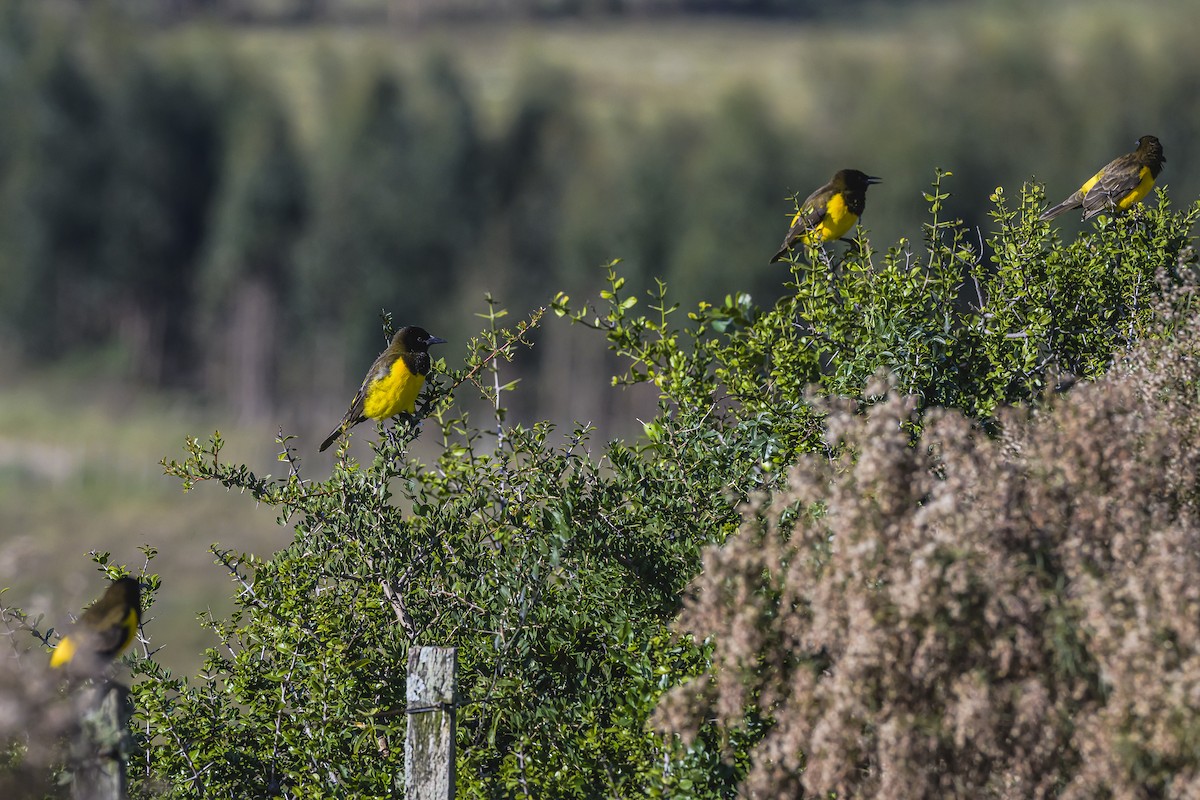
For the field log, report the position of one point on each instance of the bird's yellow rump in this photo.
(393, 381)
(1121, 184)
(829, 212)
(104, 630)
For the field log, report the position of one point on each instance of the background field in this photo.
(671, 143)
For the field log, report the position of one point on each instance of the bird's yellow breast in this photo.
(395, 392)
(1141, 190)
(837, 220)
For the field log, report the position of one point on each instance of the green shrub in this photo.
(554, 571)
(555, 566)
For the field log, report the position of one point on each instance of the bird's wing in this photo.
(378, 371)
(112, 640)
(1115, 181)
(812, 210)
(355, 412)
(108, 631)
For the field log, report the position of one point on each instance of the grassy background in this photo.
(79, 472)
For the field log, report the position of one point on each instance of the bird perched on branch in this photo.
(1121, 184)
(393, 382)
(104, 630)
(829, 212)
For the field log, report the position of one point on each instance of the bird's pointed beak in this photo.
(432, 340)
(872, 180)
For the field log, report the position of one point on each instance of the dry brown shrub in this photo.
(41, 710)
(972, 617)
(36, 717)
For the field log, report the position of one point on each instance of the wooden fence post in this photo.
(102, 744)
(429, 740)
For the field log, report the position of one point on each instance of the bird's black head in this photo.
(127, 590)
(854, 180)
(413, 339)
(1150, 148)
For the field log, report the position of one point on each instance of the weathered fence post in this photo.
(429, 741)
(102, 743)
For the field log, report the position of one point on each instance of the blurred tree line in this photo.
(422, 11)
(158, 203)
(159, 206)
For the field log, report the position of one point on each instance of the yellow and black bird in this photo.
(393, 382)
(1120, 185)
(106, 628)
(826, 214)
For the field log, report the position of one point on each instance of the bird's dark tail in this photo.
(1074, 201)
(338, 431)
(1051, 213)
